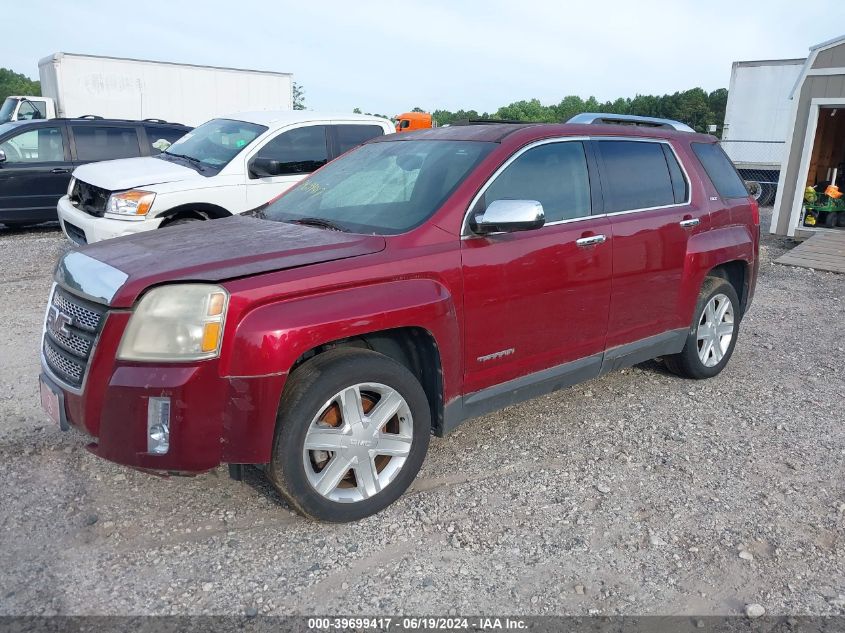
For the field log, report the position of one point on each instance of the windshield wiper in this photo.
(190, 159)
(320, 222)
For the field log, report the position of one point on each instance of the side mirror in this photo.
(507, 216)
(2, 156)
(265, 167)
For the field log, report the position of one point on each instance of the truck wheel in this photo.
(351, 434)
(831, 220)
(767, 195)
(713, 334)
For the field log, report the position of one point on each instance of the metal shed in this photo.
(815, 144)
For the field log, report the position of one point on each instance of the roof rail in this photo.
(629, 119)
(488, 122)
(151, 120)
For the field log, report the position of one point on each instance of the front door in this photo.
(34, 175)
(298, 152)
(537, 299)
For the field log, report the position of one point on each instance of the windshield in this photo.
(8, 109)
(213, 145)
(385, 188)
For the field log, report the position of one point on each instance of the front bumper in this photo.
(213, 419)
(81, 228)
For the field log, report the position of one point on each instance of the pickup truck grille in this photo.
(70, 333)
(89, 198)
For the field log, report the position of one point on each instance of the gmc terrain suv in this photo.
(415, 282)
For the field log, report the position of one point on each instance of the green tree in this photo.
(298, 97)
(12, 83)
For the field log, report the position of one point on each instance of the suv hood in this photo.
(210, 251)
(128, 173)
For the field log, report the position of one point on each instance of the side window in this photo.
(679, 183)
(636, 176)
(42, 145)
(349, 136)
(300, 151)
(160, 138)
(555, 174)
(720, 169)
(31, 110)
(95, 142)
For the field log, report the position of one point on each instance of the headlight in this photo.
(179, 322)
(130, 202)
(70, 185)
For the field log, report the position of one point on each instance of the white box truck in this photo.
(117, 88)
(757, 121)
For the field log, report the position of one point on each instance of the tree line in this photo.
(12, 83)
(695, 107)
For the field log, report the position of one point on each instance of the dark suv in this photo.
(37, 158)
(412, 283)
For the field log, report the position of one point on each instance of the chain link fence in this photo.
(758, 162)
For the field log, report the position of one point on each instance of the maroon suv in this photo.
(413, 283)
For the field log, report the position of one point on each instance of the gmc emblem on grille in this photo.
(58, 321)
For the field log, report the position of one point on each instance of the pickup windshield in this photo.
(8, 109)
(211, 146)
(384, 188)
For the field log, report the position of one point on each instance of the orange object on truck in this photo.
(409, 121)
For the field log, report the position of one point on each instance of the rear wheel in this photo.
(713, 334)
(351, 435)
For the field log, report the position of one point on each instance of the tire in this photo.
(830, 221)
(690, 362)
(755, 189)
(767, 196)
(325, 484)
(182, 220)
(840, 220)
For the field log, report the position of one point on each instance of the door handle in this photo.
(688, 224)
(59, 170)
(589, 241)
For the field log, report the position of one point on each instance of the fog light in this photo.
(158, 426)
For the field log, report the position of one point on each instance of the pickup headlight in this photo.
(130, 202)
(178, 322)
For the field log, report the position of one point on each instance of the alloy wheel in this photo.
(715, 330)
(358, 442)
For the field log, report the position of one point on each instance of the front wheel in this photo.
(712, 337)
(351, 435)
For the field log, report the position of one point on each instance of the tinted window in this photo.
(636, 176)
(349, 136)
(721, 170)
(385, 187)
(160, 138)
(300, 151)
(41, 145)
(679, 182)
(554, 174)
(95, 142)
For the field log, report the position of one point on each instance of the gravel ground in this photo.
(637, 493)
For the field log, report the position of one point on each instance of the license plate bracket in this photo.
(53, 402)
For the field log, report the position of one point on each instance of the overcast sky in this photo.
(388, 57)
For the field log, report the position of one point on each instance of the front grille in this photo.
(89, 198)
(70, 333)
(76, 234)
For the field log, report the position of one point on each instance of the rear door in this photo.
(300, 151)
(647, 198)
(538, 299)
(35, 174)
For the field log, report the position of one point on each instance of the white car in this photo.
(222, 168)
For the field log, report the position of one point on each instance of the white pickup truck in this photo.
(224, 167)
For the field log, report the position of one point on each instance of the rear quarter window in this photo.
(720, 170)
